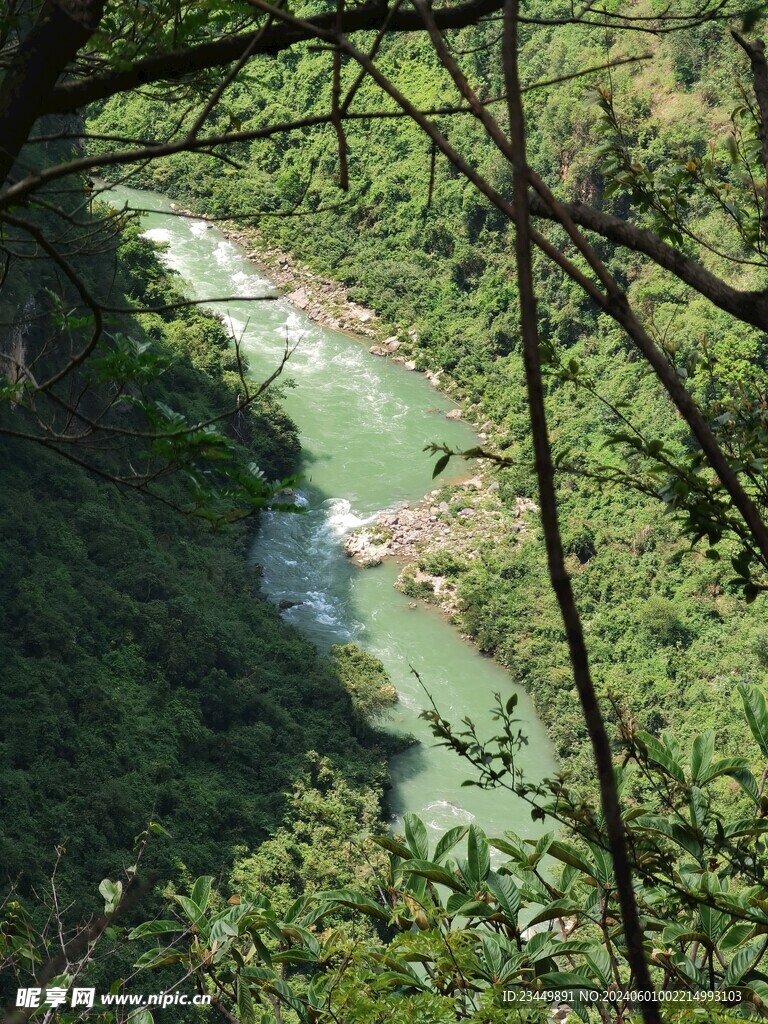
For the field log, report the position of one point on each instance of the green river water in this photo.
(363, 422)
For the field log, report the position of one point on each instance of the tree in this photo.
(426, 933)
(716, 490)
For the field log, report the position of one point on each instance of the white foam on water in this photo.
(294, 320)
(352, 360)
(324, 609)
(198, 227)
(339, 517)
(451, 810)
(234, 326)
(408, 701)
(444, 814)
(226, 254)
(296, 328)
(248, 285)
(157, 235)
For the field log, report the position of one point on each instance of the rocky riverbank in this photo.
(324, 301)
(327, 302)
(438, 539)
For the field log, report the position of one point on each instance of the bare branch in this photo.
(558, 574)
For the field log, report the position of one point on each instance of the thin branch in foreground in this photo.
(558, 574)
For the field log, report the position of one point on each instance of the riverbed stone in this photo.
(299, 298)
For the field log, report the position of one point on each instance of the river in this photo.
(363, 422)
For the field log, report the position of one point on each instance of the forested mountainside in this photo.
(145, 676)
(169, 743)
(668, 632)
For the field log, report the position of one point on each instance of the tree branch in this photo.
(69, 96)
(756, 53)
(558, 574)
(749, 306)
(62, 28)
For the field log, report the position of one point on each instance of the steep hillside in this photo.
(145, 676)
(668, 633)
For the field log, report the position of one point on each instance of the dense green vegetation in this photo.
(326, 920)
(145, 677)
(667, 631)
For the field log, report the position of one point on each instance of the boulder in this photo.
(299, 298)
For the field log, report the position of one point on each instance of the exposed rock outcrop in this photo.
(436, 538)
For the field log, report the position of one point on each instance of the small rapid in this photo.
(363, 423)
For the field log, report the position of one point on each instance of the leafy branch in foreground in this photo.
(462, 927)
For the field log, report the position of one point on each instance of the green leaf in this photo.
(456, 901)
(155, 928)
(506, 893)
(416, 834)
(356, 901)
(676, 932)
(568, 854)
(540, 848)
(392, 845)
(748, 783)
(713, 922)
(742, 963)
(469, 908)
(698, 806)
(141, 1017)
(159, 956)
(245, 1004)
(555, 910)
(745, 827)
(201, 891)
(702, 751)
(449, 840)
(600, 962)
(567, 979)
(434, 872)
(736, 935)
(662, 757)
(111, 891)
(760, 989)
(193, 912)
(757, 714)
(285, 994)
(603, 864)
(478, 854)
(440, 465)
(678, 833)
(724, 766)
